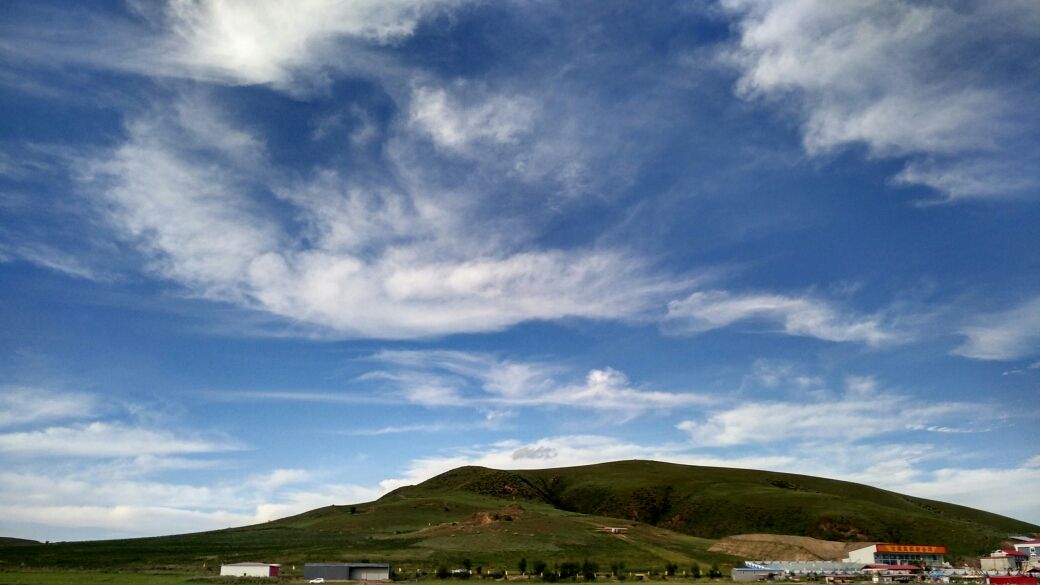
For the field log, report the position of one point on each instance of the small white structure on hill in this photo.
(250, 570)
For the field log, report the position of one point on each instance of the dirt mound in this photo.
(782, 547)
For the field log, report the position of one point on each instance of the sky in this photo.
(261, 257)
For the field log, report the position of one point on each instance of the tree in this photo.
(443, 572)
(588, 570)
(522, 565)
(467, 564)
(539, 567)
(670, 568)
(714, 572)
(569, 569)
(695, 571)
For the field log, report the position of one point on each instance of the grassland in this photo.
(491, 519)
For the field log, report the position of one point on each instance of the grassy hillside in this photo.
(417, 532)
(491, 518)
(713, 502)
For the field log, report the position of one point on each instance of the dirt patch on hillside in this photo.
(783, 547)
(477, 520)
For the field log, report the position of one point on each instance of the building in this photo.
(892, 573)
(899, 554)
(1029, 547)
(757, 573)
(1011, 580)
(347, 571)
(1004, 560)
(250, 570)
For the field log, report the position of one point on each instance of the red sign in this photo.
(911, 548)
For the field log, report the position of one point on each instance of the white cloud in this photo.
(491, 120)
(50, 258)
(443, 378)
(1003, 336)
(20, 405)
(371, 261)
(274, 40)
(90, 497)
(984, 488)
(800, 316)
(862, 411)
(887, 75)
(103, 439)
(291, 45)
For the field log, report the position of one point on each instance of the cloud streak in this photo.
(448, 378)
(1007, 335)
(855, 415)
(798, 316)
(23, 406)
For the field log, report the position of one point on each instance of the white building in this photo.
(250, 570)
(1004, 560)
(899, 554)
(1029, 547)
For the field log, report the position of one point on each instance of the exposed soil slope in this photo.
(780, 546)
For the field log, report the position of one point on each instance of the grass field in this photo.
(83, 578)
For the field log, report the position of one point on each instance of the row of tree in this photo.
(569, 570)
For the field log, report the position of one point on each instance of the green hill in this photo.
(492, 518)
(713, 502)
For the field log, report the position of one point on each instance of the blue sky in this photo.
(257, 258)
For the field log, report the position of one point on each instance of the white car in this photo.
(318, 580)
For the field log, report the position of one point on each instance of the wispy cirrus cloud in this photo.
(887, 75)
(802, 316)
(491, 120)
(288, 45)
(104, 439)
(1006, 335)
(370, 260)
(20, 405)
(854, 411)
(450, 378)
